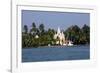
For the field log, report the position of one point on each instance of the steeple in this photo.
(58, 31)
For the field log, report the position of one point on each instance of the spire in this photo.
(58, 30)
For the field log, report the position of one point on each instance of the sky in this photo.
(53, 20)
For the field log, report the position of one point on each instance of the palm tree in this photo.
(33, 29)
(25, 29)
(41, 28)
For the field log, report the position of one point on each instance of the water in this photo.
(55, 53)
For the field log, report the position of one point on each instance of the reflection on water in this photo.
(55, 53)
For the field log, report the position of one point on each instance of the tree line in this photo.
(38, 36)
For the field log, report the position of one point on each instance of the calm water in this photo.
(55, 53)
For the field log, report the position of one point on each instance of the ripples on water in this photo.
(55, 53)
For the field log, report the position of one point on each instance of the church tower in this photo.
(58, 31)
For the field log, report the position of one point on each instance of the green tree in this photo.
(33, 30)
(33, 25)
(72, 33)
(86, 33)
(25, 29)
(86, 29)
(51, 32)
(41, 28)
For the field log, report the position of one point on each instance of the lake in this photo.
(57, 53)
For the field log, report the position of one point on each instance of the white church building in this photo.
(60, 38)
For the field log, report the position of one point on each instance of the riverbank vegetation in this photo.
(39, 36)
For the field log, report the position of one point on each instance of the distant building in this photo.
(36, 36)
(60, 38)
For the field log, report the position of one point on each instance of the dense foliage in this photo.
(78, 35)
(35, 37)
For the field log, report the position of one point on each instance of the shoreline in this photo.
(57, 46)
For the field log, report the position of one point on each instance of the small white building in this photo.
(36, 36)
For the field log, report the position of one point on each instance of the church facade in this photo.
(60, 37)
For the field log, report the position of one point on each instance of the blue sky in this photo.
(54, 19)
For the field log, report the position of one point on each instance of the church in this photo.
(60, 38)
